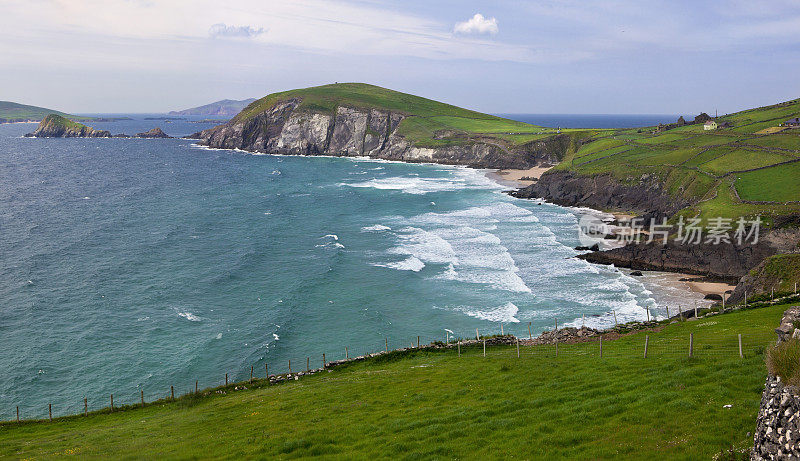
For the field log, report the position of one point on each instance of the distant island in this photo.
(225, 108)
(12, 112)
(57, 126)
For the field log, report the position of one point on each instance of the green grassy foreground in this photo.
(440, 405)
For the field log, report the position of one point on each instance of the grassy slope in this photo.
(425, 116)
(437, 404)
(14, 111)
(708, 165)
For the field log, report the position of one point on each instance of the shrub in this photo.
(783, 360)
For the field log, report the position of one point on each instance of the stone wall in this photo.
(777, 433)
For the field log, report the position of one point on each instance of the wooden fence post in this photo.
(583, 320)
(646, 341)
(741, 356)
(484, 348)
(346, 353)
(680, 312)
(85, 407)
(308, 364)
(142, 391)
(723, 301)
(648, 313)
(324, 362)
(50, 410)
(459, 348)
(667, 312)
(172, 392)
(615, 318)
(501, 329)
(112, 402)
(17, 413)
(266, 371)
(691, 344)
(530, 335)
(290, 366)
(517, 347)
(695, 309)
(417, 342)
(226, 379)
(196, 382)
(477, 336)
(251, 373)
(387, 344)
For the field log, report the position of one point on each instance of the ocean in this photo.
(134, 265)
(593, 120)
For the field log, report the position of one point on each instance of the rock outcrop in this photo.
(154, 133)
(353, 131)
(56, 126)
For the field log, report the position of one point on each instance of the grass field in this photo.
(441, 405)
(695, 164)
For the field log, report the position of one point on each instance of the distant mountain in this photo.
(14, 112)
(224, 108)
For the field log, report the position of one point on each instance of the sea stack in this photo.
(154, 133)
(56, 126)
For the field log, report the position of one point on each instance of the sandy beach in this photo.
(514, 177)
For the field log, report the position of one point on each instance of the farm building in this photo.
(710, 125)
(792, 122)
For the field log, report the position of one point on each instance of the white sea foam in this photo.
(188, 316)
(505, 313)
(409, 264)
(376, 228)
(275, 336)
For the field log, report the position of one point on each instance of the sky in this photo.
(548, 56)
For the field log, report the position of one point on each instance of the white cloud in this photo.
(477, 24)
(225, 31)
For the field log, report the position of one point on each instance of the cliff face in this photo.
(373, 133)
(55, 126)
(566, 188)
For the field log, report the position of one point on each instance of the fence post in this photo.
(745, 298)
(646, 341)
(112, 402)
(417, 342)
(459, 348)
(308, 364)
(50, 410)
(172, 392)
(741, 356)
(615, 318)
(85, 407)
(648, 313)
(387, 344)
(226, 379)
(772, 294)
(691, 344)
(695, 309)
(195, 386)
(667, 312)
(477, 336)
(346, 353)
(530, 335)
(290, 366)
(324, 362)
(583, 320)
(266, 371)
(601, 346)
(484, 348)
(142, 391)
(251, 373)
(723, 300)
(501, 329)
(680, 312)
(17, 413)
(517, 347)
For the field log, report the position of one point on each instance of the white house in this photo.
(710, 125)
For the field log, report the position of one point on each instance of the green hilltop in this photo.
(428, 123)
(15, 112)
(748, 166)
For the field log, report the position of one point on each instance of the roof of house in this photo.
(710, 122)
(793, 120)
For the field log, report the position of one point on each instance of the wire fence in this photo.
(492, 345)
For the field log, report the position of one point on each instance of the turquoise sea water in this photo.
(130, 265)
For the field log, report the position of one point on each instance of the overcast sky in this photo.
(548, 56)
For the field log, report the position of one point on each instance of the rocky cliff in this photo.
(56, 126)
(352, 131)
(154, 133)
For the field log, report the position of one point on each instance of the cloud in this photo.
(477, 24)
(225, 31)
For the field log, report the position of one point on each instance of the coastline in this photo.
(658, 280)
